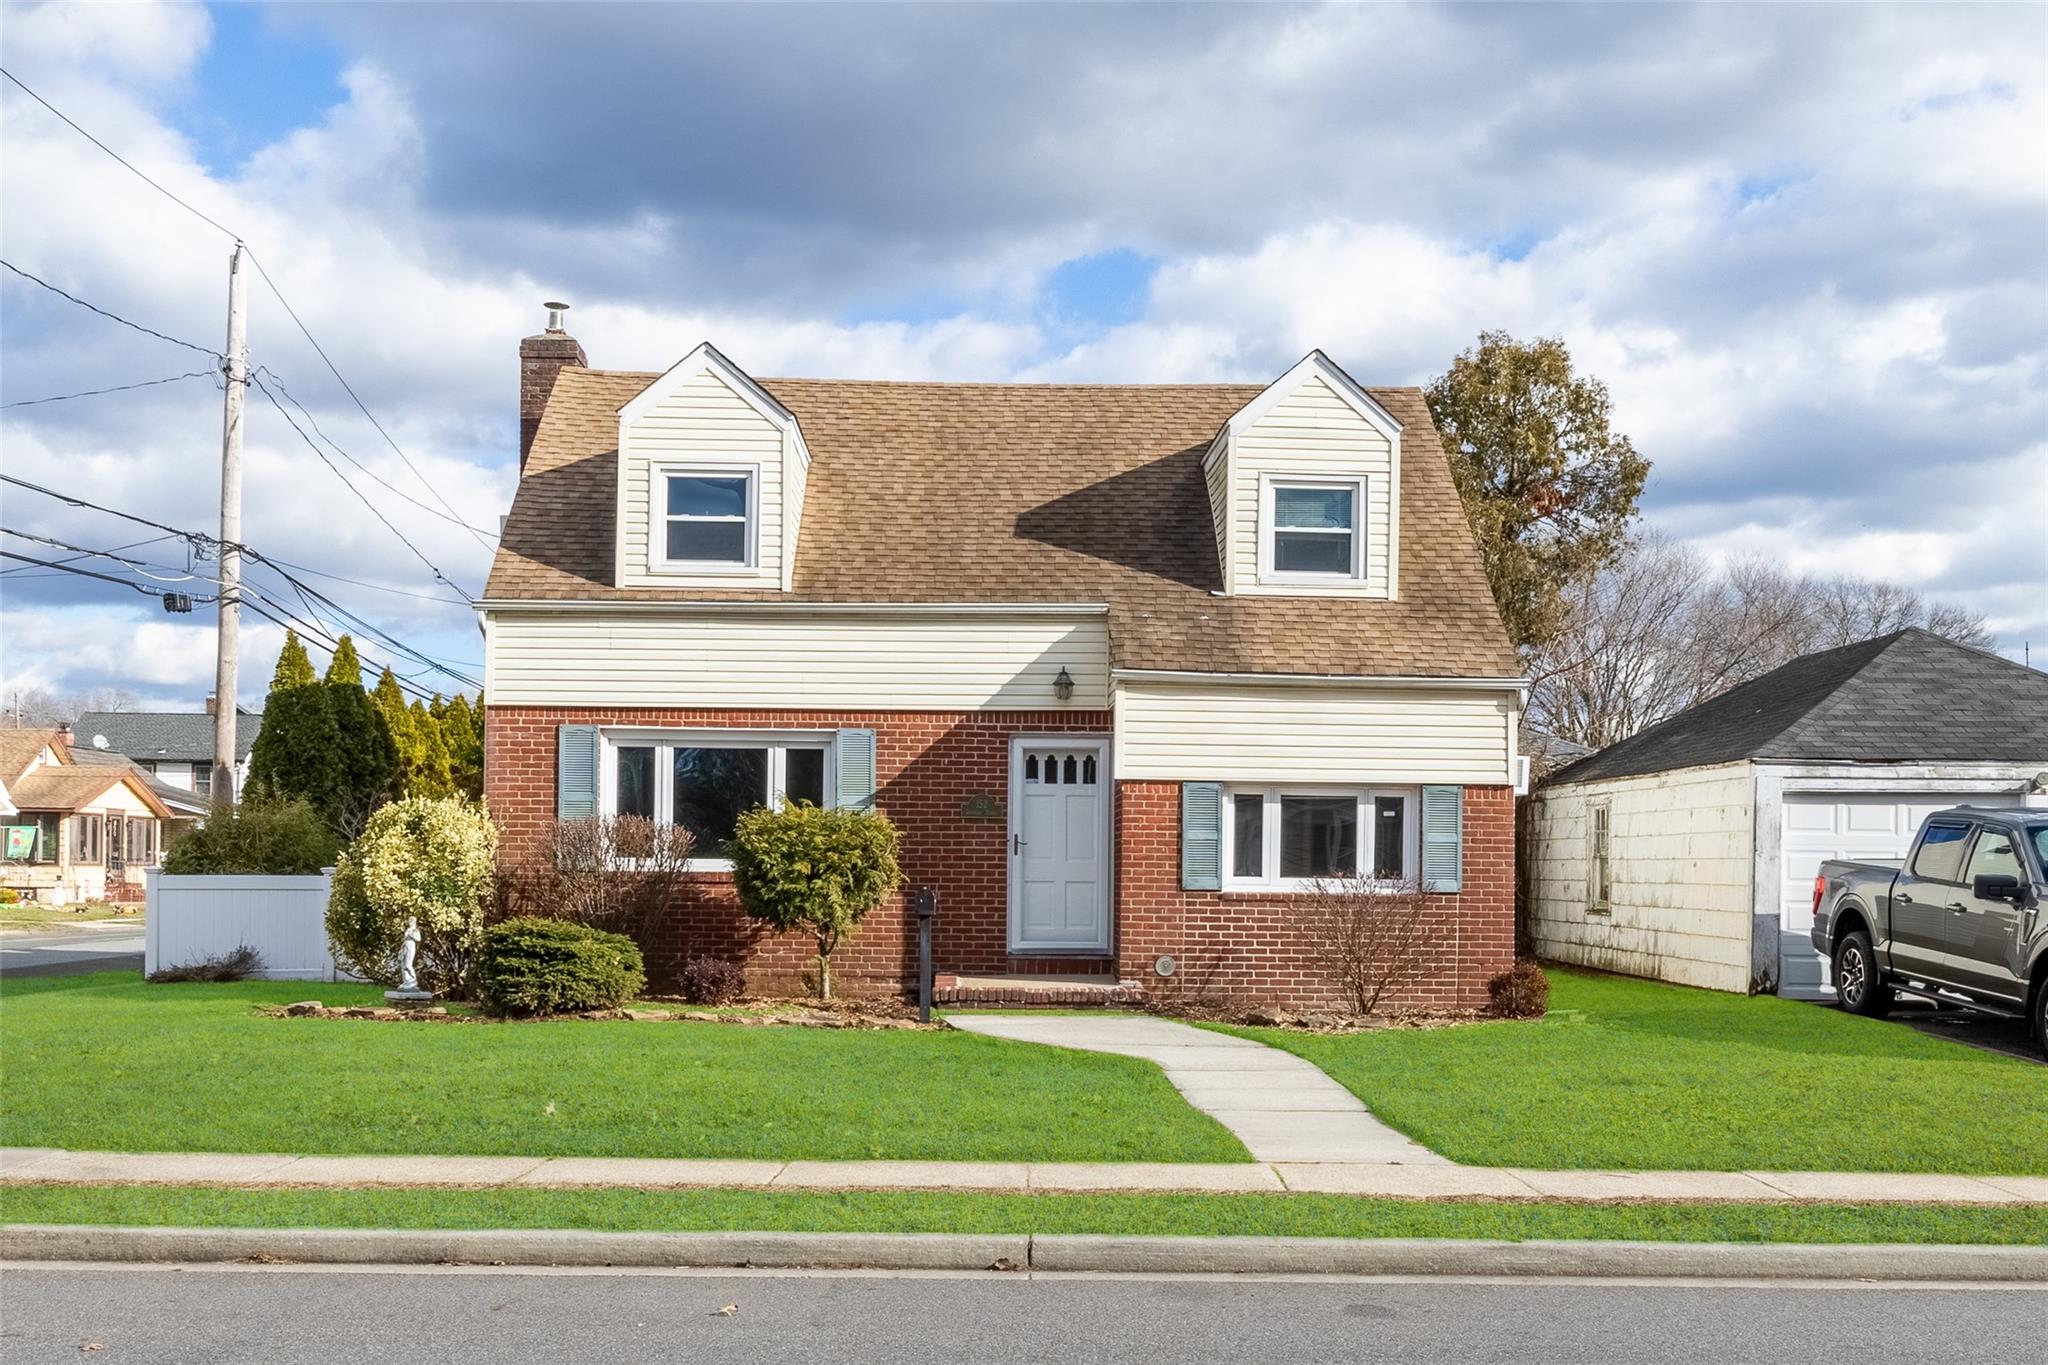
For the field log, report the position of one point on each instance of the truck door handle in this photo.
(1957, 907)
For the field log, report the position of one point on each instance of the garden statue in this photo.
(408, 992)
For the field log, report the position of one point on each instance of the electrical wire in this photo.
(118, 388)
(143, 588)
(114, 317)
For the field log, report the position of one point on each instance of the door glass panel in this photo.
(1318, 836)
(1248, 835)
(803, 777)
(712, 787)
(1993, 856)
(1941, 852)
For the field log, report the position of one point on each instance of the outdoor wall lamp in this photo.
(1063, 685)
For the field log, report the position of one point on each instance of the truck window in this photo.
(1941, 852)
(1994, 855)
(2038, 836)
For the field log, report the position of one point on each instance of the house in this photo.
(1688, 852)
(74, 832)
(175, 746)
(1130, 666)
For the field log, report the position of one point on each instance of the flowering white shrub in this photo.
(423, 859)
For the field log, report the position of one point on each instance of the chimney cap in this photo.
(555, 311)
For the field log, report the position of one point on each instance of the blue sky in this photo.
(1806, 248)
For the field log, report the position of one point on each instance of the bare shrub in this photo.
(712, 981)
(238, 964)
(1520, 992)
(619, 873)
(1369, 938)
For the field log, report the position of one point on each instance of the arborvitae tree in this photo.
(369, 755)
(297, 754)
(430, 776)
(389, 700)
(462, 731)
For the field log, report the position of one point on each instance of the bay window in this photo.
(704, 780)
(1287, 839)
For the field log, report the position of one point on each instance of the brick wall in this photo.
(1251, 947)
(928, 765)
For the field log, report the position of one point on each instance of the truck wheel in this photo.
(1859, 986)
(2039, 1017)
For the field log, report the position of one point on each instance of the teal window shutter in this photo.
(575, 772)
(1201, 836)
(854, 758)
(1443, 838)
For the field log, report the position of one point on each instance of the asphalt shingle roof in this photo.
(165, 736)
(1907, 697)
(1029, 493)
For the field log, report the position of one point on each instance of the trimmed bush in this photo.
(9, 896)
(712, 981)
(1520, 992)
(530, 966)
(816, 870)
(269, 839)
(417, 859)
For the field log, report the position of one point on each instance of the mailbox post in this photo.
(927, 902)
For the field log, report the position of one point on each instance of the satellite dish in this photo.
(99, 741)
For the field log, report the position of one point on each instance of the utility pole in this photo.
(227, 664)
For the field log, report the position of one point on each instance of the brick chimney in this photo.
(212, 704)
(541, 358)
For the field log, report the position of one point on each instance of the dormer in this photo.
(1305, 489)
(712, 472)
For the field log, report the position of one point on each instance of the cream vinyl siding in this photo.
(911, 662)
(1255, 732)
(1681, 864)
(701, 422)
(1312, 433)
(1218, 476)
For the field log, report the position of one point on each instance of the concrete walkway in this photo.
(49, 1166)
(1281, 1107)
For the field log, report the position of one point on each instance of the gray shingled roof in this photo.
(1907, 697)
(162, 736)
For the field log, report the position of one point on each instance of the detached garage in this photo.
(1688, 852)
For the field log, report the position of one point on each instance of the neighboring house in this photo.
(1130, 666)
(76, 831)
(175, 746)
(1688, 852)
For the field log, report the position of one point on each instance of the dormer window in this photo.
(1313, 529)
(709, 519)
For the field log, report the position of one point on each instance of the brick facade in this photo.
(1249, 947)
(929, 765)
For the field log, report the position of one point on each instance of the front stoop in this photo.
(1038, 991)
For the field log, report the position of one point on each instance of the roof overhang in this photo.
(781, 607)
(1519, 686)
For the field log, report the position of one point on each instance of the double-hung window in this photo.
(1313, 529)
(703, 780)
(1286, 839)
(1599, 855)
(706, 518)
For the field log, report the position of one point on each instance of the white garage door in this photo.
(1823, 825)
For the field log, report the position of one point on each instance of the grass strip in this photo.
(1237, 1215)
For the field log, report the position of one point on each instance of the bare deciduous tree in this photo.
(1657, 631)
(614, 872)
(1370, 938)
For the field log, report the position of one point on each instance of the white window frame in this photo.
(658, 518)
(1270, 879)
(665, 742)
(1599, 857)
(1270, 528)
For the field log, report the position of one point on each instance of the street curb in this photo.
(946, 1251)
(556, 1247)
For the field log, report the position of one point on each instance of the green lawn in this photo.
(1273, 1215)
(106, 1063)
(36, 915)
(1636, 1074)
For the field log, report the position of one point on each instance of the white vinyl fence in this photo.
(283, 918)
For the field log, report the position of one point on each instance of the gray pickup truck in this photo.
(1960, 921)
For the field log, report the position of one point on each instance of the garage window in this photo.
(1940, 857)
(1598, 845)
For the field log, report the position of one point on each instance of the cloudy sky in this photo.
(1805, 246)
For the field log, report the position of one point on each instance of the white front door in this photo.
(1059, 845)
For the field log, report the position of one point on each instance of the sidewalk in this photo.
(46, 1166)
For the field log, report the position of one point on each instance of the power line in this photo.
(138, 565)
(396, 491)
(132, 545)
(118, 388)
(115, 317)
(112, 153)
(143, 588)
(418, 553)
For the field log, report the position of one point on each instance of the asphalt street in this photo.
(71, 951)
(290, 1316)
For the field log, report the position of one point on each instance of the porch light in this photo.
(1063, 685)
